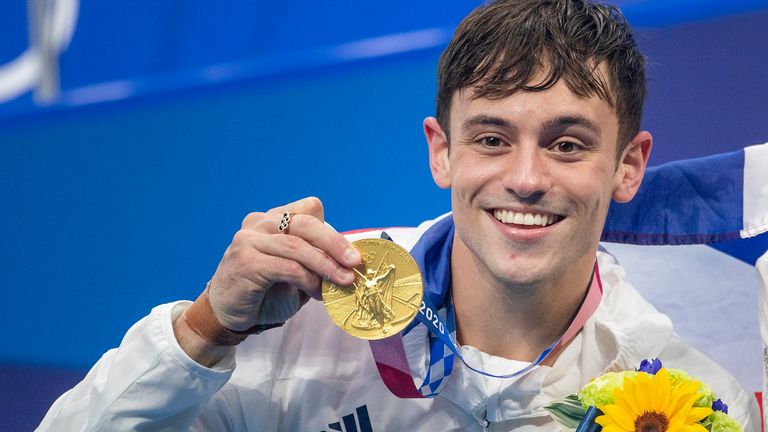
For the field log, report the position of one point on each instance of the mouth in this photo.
(526, 219)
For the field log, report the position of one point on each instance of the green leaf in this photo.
(567, 412)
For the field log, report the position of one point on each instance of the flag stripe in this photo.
(755, 190)
(683, 202)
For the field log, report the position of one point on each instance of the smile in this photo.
(532, 219)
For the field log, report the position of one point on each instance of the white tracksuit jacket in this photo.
(310, 376)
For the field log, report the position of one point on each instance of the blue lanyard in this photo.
(434, 248)
(442, 334)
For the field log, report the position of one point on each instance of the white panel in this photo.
(711, 298)
(762, 271)
(755, 190)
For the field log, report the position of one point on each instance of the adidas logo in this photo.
(358, 421)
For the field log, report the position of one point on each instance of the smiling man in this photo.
(532, 175)
(537, 131)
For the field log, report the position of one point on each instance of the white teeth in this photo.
(528, 219)
(510, 217)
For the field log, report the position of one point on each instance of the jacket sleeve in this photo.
(147, 383)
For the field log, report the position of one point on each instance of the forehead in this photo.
(558, 95)
(525, 108)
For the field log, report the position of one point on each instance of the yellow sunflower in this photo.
(649, 403)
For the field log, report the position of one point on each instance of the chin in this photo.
(520, 275)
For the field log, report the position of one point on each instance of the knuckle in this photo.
(239, 237)
(305, 222)
(326, 267)
(293, 270)
(286, 267)
(252, 218)
(314, 204)
(301, 219)
(339, 242)
(291, 244)
(238, 256)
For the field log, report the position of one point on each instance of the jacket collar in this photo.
(623, 330)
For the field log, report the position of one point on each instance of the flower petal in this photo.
(696, 414)
(663, 389)
(695, 427)
(618, 415)
(642, 388)
(616, 428)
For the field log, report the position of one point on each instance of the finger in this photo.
(253, 219)
(280, 302)
(310, 257)
(318, 234)
(309, 206)
(282, 270)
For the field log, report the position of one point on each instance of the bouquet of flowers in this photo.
(652, 398)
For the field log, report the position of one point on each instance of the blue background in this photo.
(178, 118)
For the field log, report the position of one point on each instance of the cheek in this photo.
(594, 191)
(468, 179)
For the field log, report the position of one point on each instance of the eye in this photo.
(566, 147)
(491, 141)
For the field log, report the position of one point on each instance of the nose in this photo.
(526, 173)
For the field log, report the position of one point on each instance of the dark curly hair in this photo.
(500, 47)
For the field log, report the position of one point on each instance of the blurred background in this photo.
(135, 136)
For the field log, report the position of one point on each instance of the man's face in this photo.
(532, 176)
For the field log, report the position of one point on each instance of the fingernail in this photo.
(351, 255)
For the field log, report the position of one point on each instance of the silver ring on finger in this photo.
(282, 227)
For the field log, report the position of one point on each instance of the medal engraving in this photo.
(385, 296)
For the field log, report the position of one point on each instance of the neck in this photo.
(513, 321)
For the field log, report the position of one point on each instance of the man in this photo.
(537, 129)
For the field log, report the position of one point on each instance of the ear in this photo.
(439, 162)
(631, 169)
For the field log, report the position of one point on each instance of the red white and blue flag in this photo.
(713, 284)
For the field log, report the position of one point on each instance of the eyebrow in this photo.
(486, 120)
(572, 120)
(560, 122)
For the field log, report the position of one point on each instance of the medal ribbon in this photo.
(435, 247)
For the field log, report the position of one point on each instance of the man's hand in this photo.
(265, 276)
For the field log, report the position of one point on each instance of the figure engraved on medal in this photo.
(385, 296)
(374, 299)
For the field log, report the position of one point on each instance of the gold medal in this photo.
(385, 296)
